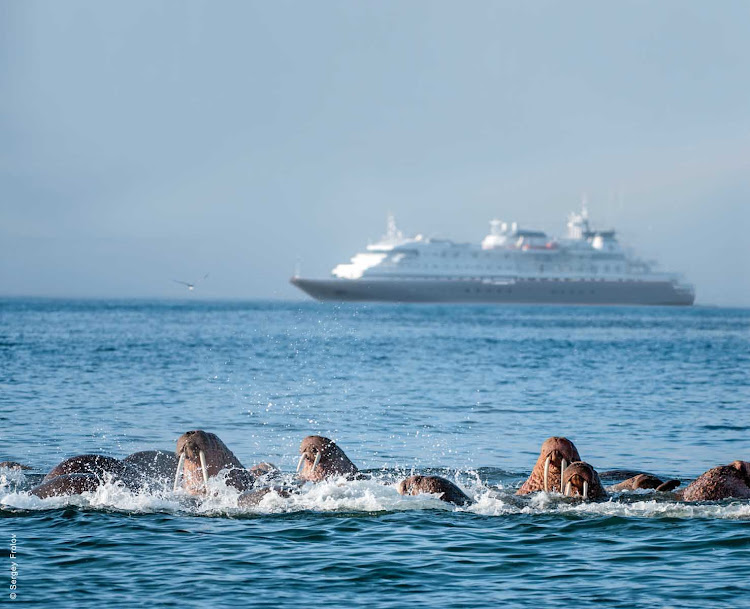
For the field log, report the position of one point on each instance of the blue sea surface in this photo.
(468, 392)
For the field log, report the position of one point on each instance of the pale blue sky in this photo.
(146, 141)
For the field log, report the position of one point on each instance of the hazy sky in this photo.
(142, 142)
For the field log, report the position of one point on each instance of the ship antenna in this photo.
(392, 233)
(391, 226)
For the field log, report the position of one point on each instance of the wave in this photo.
(378, 494)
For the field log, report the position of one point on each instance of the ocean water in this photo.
(469, 392)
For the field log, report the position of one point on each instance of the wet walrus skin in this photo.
(86, 472)
(14, 465)
(98, 465)
(67, 484)
(254, 497)
(202, 455)
(152, 467)
(82, 473)
(321, 458)
(645, 481)
(553, 452)
(721, 482)
(449, 492)
(581, 480)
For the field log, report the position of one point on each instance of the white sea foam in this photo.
(10, 478)
(368, 495)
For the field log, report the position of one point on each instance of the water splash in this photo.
(378, 494)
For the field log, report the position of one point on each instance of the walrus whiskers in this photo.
(585, 490)
(204, 469)
(178, 473)
(546, 474)
(563, 465)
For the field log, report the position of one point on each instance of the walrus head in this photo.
(449, 492)
(321, 458)
(722, 482)
(554, 457)
(202, 455)
(580, 479)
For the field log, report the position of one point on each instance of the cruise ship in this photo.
(511, 265)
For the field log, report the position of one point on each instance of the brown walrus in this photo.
(66, 484)
(81, 473)
(86, 472)
(555, 455)
(580, 479)
(98, 465)
(721, 482)
(449, 492)
(14, 465)
(321, 458)
(202, 455)
(254, 497)
(645, 481)
(264, 469)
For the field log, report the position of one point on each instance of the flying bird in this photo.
(190, 286)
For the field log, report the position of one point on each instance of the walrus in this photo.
(449, 492)
(202, 455)
(98, 465)
(645, 481)
(82, 473)
(264, 469)
(67, 484)
(321, 458)
(555, 455)
(14, 465)
(580, 479)
(253, 497)
(721, 482)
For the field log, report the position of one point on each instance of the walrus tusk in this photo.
(178, 473)
(202, 456)
(567, 489)
(585, 490)
(299, 463)
(315, 463)
(563, 465)
(546, 475)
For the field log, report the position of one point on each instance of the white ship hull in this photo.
(519, 291)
